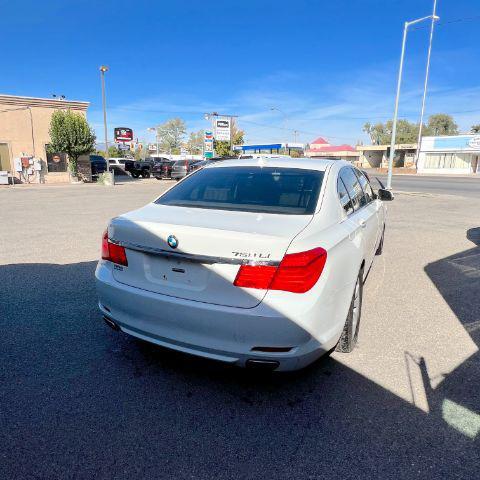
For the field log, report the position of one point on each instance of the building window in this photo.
(447, 160)
(56, 162)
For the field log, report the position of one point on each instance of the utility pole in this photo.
(104, 69)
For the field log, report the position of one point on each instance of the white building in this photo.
(452, 154)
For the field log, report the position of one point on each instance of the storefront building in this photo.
(453, 154)
(320, 148)
(376, 156)
(24, 126)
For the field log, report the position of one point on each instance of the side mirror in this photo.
(385, 195)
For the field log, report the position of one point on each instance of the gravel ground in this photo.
(78, 400)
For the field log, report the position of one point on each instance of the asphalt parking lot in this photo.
(78, 400)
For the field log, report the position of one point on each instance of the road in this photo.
(78, 400)
(434, 184)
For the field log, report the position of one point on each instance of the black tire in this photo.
(349, 336)
(380, 245)
(145, 174)
(135, 174)
(158, 178)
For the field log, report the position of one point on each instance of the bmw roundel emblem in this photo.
(172, 241)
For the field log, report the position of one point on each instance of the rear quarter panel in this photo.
(326, 305)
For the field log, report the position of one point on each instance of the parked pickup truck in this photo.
(138, 168)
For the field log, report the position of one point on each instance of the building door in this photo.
(5, 157)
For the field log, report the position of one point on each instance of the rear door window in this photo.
(345, 199)
(369, 196)
(289, 191)
(353, 187)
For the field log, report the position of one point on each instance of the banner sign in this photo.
(222, 129)
(123, 134)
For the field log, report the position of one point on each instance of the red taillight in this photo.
(255, 276)
(297, 272)
(113, 252)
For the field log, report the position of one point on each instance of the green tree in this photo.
(222, 149)
(70, 133)
(475, 128)
(377, 133)
(441, 124)
(407, 132)
(171, 135)
(381, 134)
(113, 152)
(195, 142)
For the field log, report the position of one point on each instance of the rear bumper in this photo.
(175, 175)
(217, 332)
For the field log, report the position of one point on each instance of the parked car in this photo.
(98, 164)
(182, 168)
(162, 168)
(254, 263)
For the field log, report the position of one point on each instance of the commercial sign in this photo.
(123, 134)
(222, 129)
(208, 145)
(123, 146)
(454, 143)
(474, 143)
(152, 147)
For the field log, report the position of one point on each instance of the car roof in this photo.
(320, 164)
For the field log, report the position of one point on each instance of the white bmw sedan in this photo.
(258, 263)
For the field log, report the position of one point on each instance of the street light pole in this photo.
(104, 69)
(427, 71)
(397, 97)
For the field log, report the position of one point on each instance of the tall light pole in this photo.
(427, 70)
(104, 69)
(397, 97)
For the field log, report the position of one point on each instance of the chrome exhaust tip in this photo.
(111, 323)
(262, 364)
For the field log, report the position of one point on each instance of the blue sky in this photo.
(330, 66)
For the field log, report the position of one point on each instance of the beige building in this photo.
(24, 125)
(376, 156)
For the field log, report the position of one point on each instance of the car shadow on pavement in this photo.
(79, 400)
(457, 397)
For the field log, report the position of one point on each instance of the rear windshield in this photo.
(292, 191)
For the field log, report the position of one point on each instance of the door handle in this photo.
(362, 223)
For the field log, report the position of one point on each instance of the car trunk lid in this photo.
(212, 244)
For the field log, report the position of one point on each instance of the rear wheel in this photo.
(158, 178)
(135, 174)
(145, 174)
(349, 336)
